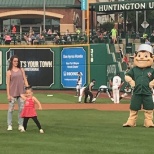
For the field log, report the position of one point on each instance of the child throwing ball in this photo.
(29, 109)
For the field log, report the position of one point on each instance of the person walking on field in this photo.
(29, 109)
(116, 84)
(16, 81)
(88, 91)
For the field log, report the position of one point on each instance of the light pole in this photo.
(145, 18)
(136, 21)
(44, 15)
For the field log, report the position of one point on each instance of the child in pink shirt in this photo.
(29, 109)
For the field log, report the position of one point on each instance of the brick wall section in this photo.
(67, 19)
(65, 23)
(68, 13)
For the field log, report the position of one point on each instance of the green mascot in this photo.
(141, 79)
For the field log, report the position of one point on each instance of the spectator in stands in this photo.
(145, 36)
(133, 35)
(104, 33)
(56, 39)
(29, 38)
(114, 35)
(137, 35)
(48, 36)
(121, 52)
(152, 37)
(49, 32)
(83, 38)
(69, 40)
(39, 39)
(67, 37)
(126, 60)
(147, 41)
(67, 32)
(97, 32)
(77, 31)
(14, 29)
(42, 39)
(7, 39)
(152, 34)
(26, 38)
(100, 37)
(44, 33)
(32, 38)
(58, 33)
(5, 30)
(14, 34)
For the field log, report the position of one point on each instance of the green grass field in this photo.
(77, 132)
(60, 98)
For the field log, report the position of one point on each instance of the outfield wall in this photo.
(56, 67)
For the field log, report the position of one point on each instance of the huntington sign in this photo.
(123, 6)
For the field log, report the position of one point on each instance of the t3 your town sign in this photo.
(125, 6)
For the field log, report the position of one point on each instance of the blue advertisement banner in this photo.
(73, 60)
(84, 5)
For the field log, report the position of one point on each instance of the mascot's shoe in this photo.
(41, 131)
(148, 121)
(131, 122)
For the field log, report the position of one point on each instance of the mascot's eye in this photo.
(139, 55)
(146, 56)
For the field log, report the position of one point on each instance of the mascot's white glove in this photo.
(151, 84)
(130, 81)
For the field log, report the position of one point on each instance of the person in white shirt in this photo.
(81, 94)
(116, 83)
(147, 41)
(101, 89)
(78, 84)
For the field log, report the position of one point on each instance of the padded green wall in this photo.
(99, 59)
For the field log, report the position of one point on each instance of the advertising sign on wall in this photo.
(124, 6)
(37, 63)
(73, 60)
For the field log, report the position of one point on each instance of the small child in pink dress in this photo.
(29, 109)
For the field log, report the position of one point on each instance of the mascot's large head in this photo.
(144, 56)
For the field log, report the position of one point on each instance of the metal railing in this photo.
(62, 38)
(26, 38)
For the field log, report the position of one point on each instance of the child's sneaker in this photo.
(22, 130)
(41, 131)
